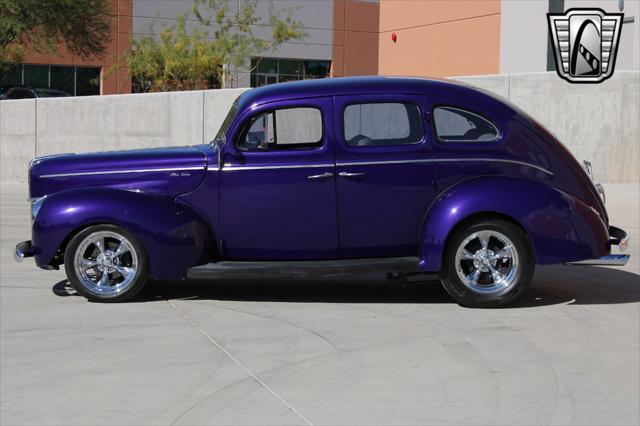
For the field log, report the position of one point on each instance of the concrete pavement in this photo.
(357, 351)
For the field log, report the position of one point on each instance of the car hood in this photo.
(162, 171)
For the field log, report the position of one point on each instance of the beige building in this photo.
(432, 38)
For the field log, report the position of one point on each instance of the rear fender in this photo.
(174, 236)
(560, 227)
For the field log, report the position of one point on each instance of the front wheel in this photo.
(105, 263)
(487, 264)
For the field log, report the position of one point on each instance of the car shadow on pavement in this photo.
(551, 285)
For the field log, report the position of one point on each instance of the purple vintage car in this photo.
(329, 177)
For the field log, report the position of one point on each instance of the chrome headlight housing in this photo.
(599, 188)
(36, 204)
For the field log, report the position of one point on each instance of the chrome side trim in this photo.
(495, 160)
(610, 260)
(372, 163)
(112, 172)
(235, 167)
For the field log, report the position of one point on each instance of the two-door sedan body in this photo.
(329, 176)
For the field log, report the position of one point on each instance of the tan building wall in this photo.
(355, 38)
(439, 38)
(112, 79)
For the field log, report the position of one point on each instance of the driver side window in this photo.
(289, 128)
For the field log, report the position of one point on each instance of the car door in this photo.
(385, 174)
(277, 185)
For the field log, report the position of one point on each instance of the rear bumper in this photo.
(23, 249)
(617, 237)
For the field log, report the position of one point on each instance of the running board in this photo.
(302, 268)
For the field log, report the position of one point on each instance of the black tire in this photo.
(133, 262)
(478, 294)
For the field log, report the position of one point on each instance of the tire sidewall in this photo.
(138, 280)
(463, 294)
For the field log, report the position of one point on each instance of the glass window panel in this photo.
(283, 78)
(379, 124)
(290, 67)
(270, 71)
(36, 75)
(317, 69)
(260, 132)
(268, 66)
(11, 76)
(298, 126)
(457, 125)
(294, 128)
(63, 78)
(87, 81)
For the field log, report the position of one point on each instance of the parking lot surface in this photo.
(342, 351)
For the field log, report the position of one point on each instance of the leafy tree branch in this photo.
(41, 25)
(177, 59)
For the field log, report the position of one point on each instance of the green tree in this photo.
(178, 59)
(82, 25)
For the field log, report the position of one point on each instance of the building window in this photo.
(269, 71)
(77, 81)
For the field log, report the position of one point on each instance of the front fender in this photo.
(173, 235)
(561, 227)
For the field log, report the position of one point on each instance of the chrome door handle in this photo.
(323, 176)
(350, 174)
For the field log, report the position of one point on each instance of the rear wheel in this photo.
(487, 264)
(105, 263)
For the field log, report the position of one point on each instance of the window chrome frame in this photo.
(401, 101)
(247, 122)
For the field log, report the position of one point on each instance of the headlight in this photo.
(36, 205)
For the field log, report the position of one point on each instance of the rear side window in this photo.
(382, 124)
(290, 128)
(458, 125)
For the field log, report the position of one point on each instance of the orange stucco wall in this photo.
(439, 37)
(114, 79)
(436, 38)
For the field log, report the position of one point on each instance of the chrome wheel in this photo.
(106, 263)
(487, 262)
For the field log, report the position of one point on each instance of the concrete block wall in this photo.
(599, 123)
(596, 122)
(17, 139)
(31, 128)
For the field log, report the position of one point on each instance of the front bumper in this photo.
(23, 249)
(617, 237)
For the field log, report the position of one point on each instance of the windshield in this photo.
(224, 128)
